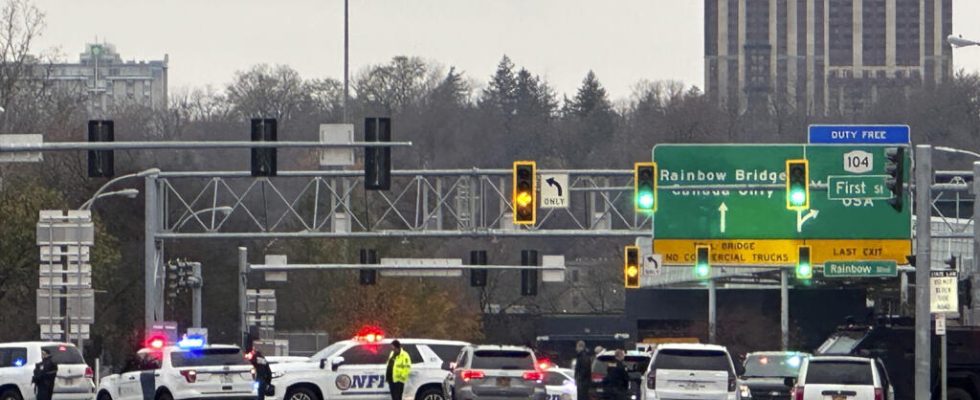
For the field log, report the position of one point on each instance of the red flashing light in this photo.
(370, 334)
(62, 348)
(763, 361)
(156, 342)
(533, 376)
(469, 375)
(544, 364)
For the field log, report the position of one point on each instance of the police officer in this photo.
(263, 374)
(44, 376)
(396, 374)
(583, 370)
(617, 380)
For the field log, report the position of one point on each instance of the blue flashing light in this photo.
(793, 361)
(191, 342)
(19, 362)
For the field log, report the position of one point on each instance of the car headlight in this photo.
(744, 392)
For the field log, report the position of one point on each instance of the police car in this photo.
(355, 369)
(190, 370)
(560, 384)
(73, 382)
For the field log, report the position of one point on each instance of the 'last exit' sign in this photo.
(859, 134)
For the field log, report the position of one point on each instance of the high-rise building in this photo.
(823, 56)
(109, 82)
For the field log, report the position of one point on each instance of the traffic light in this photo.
(895, 168)
(702, 262)
(369, 276)
(804, 269)
(100, 163)
(523, 198)
(797, 184)
(529, 276)
(377, 160)
(645, 186)
(478, 277)
(264, 159)
(631, 267)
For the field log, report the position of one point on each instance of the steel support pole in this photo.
(712, 312)
(923, 319)
(975, 274)
(242, 277)
(784, 307)
(196, 294)
(942, 360)
(150, 213)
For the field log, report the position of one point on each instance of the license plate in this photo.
(505, 382)
(68, 381)
(227, 379)
(694, 386)
(840, 397)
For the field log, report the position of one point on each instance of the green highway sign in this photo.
(860, 269)
(848, 198)
(864, 186)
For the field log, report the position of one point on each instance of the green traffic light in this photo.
(804, 271)
(645, 200)
(702, 270)
(797, 196)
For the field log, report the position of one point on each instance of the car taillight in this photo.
(190, 375)
(652, 380)
(537, 376)
(470, 374)
(731, 383)
(89, 373)
(596, 377)
(797, 393)
(879, 394)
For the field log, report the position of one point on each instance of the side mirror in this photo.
(789, 382)
(323, 363)
(336, 362)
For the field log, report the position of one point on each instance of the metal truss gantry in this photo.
(333, 204)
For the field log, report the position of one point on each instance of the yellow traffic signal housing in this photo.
(631, 267)
(702, 261)
(804, 268)
(797, 184)
(645, 186)
(524, 197)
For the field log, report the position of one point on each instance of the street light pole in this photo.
(222, 209)
(128, 193)
(346, 62)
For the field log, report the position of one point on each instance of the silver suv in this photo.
(495, 372)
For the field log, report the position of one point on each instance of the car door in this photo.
(14, 368)
(362, 374)
(128, 384)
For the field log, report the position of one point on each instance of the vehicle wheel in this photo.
(958, 394)
(301, 394)
(431, 393)
(103, 396)
(165, 396)
(10, 395)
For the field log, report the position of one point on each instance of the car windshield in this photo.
(207, 357)
(64, 354)
(633, 363)
(839, 373)
(328, 351)
(697, 360)
(773, 366)
(503, 359)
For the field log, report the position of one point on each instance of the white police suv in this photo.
(355, 370)
(73, 382)
(192, 371)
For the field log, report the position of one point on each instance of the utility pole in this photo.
(346, 63)
(923, 236)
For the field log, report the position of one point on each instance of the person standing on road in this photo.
(583, 370)
(44, 376)
(399, 366)
(617, 380)
(263, 374)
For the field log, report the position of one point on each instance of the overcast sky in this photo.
(624, 41)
